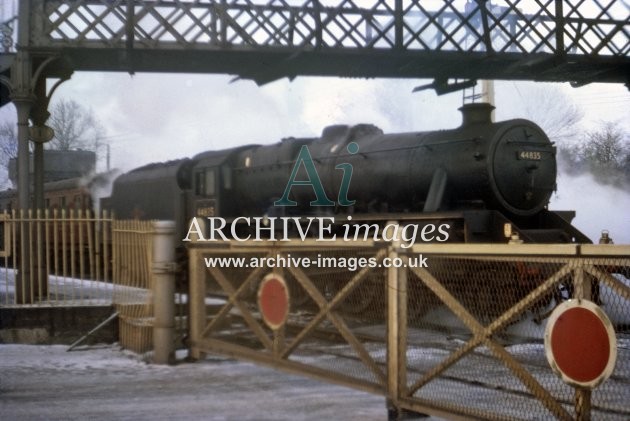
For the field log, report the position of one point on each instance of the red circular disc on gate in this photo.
(580, 343)
(273, 300)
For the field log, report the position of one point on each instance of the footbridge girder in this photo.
(546, 40)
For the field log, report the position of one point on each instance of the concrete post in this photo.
(163, 270)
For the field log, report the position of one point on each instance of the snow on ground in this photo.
(105, 383)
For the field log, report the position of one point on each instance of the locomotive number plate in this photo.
(205, 212)
(205, 208)
(530, 155)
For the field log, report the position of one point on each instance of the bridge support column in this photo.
(23, 99)
(31, 102)
(28, 93)
(39, 116)
(24, 293)
(23, 105)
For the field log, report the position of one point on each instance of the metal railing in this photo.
(7, 43)
(132, 249)
(150, 309)
(80, 259)
(55, 258)
(455, 331)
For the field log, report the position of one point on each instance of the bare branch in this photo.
(554, 111)
(75, 127)
(8, 142)
(604, 152)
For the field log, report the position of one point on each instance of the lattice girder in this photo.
(580, 39)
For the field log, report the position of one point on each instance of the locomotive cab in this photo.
(212, 183)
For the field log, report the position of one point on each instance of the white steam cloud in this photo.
(598, 207)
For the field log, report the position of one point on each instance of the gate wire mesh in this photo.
(326, 331)
(472, 344)
(455, 368)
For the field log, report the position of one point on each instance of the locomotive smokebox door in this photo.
(523, 168)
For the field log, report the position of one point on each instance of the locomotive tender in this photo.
(474, 179)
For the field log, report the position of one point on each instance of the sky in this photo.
(159, 117)
(155, 117)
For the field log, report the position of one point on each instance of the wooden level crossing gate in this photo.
(450, 330)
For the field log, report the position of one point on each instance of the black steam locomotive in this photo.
(476, 179)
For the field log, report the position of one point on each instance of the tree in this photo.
(546, 105)
(75, 127)
(557, 115)
(606, 147)
(8, 142)
(606, 153)
(555, 112)
(8, 148)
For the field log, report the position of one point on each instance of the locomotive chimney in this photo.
(476, 113)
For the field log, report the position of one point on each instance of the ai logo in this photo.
(304, 158)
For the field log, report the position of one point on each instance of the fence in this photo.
(132, 251)
(55, 258)
(138, 271)
(454, 331)
(77, 258)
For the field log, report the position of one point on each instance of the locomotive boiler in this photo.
(477, 178)
(508, 166)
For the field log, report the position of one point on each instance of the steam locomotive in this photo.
(475, 178)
